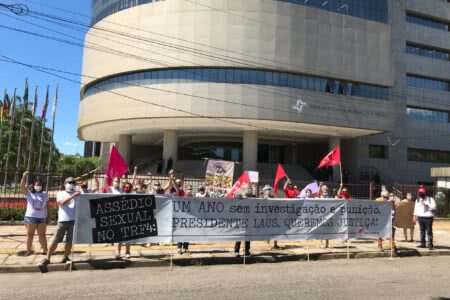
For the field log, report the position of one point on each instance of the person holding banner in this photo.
(127, 189)
(115, 188)
(66, 220)
(245, 192)
(36, 215)
(268, 194)
(387, 197)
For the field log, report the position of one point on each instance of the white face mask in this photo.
(116, 184)
(69, 187)
(38, 188)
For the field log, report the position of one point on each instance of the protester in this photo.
(245, 192)
(388, 197)
(268, 194)
(85, 189)
(36, 214)
(189, 191)
(127, 189)
(309, 194)
(66, 200)
(424, 213)
(404, 217)
(156, 189)
(202, 193)
(175, 188)
(324, 191)
(343, 193)
(324, 194)
(115, 188)
(141, 187)
(289, 190)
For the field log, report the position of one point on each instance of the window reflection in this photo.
(375, 10)
(240, 76)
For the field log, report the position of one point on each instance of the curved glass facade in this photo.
(375, 10)
(238, 76)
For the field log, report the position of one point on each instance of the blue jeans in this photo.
(426, 228)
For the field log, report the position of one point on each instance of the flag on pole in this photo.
(12, 111)
(332, 159)
(237, 185)
(55, 101)
(117, 166)
(5, 105)
(44, 108)
(278, 176)
(35, 103)
(25, 96)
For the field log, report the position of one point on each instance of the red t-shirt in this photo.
(291, 193)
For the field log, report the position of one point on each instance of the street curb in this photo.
(212, 260)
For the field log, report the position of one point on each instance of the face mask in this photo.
(69, 187)
(325, 195)
(422, 195)
(116, 184)
(126, 189)
(38, 188)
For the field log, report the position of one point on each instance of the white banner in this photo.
(137, 218)
(219, 173)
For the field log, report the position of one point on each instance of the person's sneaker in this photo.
(236, 254)
(117, 256)
(127, 255)
(430, 247)
(65, 259)
(248, 254)
(421, 246)
(44, 262)
(180, 251)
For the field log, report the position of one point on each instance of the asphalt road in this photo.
(406, 278)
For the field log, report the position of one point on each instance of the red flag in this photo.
(237, 185)
(278, 176)
(44, 108)
(332, 159)
(116, 166)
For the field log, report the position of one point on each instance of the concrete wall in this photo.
(412, 133)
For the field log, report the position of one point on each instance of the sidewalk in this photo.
(88, 257)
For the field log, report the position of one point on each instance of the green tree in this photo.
(75, 165)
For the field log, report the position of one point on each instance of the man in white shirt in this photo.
(424, 212)
(66, 220)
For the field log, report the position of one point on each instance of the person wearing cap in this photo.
(202, 193)
(423, 213)
(66, 200)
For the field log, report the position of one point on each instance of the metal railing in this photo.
(11, 197)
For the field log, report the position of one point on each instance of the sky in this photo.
(48, 53)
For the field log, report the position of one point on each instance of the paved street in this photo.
(405, 278)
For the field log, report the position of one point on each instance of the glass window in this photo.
(427, 114)
(256, 77)
(377, 151)
(375, 10)
(424, 21)
(427, 83)
(425, 155)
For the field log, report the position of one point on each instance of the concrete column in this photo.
(170, 146)
(333, 142)
(250, 151)
(104, 154)
(125, 147)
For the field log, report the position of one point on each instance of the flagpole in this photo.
(51, 138)
(19, 146)
(1, 128)
(11, 128)
(24, 108)
(340, 171)
(42, 132)
(30, 145)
